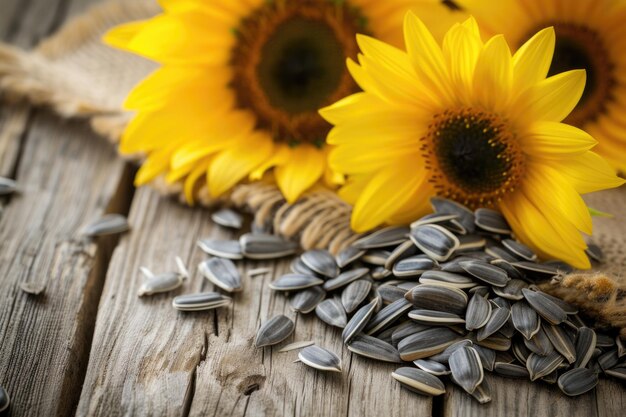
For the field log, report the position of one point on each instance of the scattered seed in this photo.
(321, 261)
(307, 300)
(546, 308)
(466, 368)
(348, 255)
(540, 366)
(7, 187)
(160, 283)
(577, 381)
(354, 294)
(320, 358)
(435, 241)
(223, 273)
(486, 272)
(492, 221)
(296, 345)
(427, 343)
(432, 367)
(345, 278)
(200, 301)
(263, 246)
(497, 319)
(389, 236)
(109, 224)
(274, 331)
(331, 312)
(419, 381)
(387, 315)
(438, 297)
(358, 321)
(478, 312)
(374, 348)
(293, 282)
(229, 249)
(32, 287)
(228, 218)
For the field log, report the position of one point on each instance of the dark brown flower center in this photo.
(580, 47)
(473, 157)
(289, 61)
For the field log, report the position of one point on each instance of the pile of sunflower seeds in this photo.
(450, 297)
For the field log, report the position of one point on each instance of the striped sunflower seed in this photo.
(561, 342)
(497, 342)
(331, 311)
(608, 360)
(464, 215)
(432, 367)
(228, 218)
(390, 293)
(274, 331)
(167, 281)
(492, 221)
(406, 329)
(511, 271)
(358, 321)
(413, 266)
(435, 241)
(540, 366)
(109, 224)
(388, 236)
(519, 249)
(604, 340)
(471, 242)
(374, 348)
(293, 282)
(546, 308)
(434, 218)
(478, 312)
(447, 279)
(200, 301)
(466, 368)
(497, 319)
(296, 346)
(321, 261)
(427, 343)
(419, 381)
(511, 370)
(7, 187)
(307, 300)
(348, 255)
(320, 358)
(617, 372)
(498, 252)
(539, 343)
(387, 315)
(486, 272)
(438, 297)
(405, 250)
(512, 290)
(525, 319)
(265, 246)
(223, 273)
(435, 318)
(444, 356)
(541, 271)
(354, 294)
(298, 267)
(577, 381)
(565, 306)
(345, 278)
(229, 249)
(594, 252)
(376, 257)
(585, 345)
(487, 357)
(482, 393)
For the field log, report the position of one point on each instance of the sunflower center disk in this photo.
(473, 157)
(289, 61)
(578, 47)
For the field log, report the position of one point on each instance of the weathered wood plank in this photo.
(67, 176)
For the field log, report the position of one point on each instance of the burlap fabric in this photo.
(77, 76)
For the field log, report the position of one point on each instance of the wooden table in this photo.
(89, 346)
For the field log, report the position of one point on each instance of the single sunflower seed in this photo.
(585, 345)
(388, 236)
(374, 348)
(320, 358)
(435, 241)
(432, 367)
(307, 300)
(519, 249)
(358, 321)
(561, 342)
(539, 366)
(546, 308)
(321, 261)
(274, 331)
(426, 343)
(265, 246)
(492, 221)
(387, 315)
(345, 278)
(438, 297)
(511, 370)
(413, 266)
(435, 318)
(167, 281)
(525, 319)
(331, 311)
(229, 249)
(467, 370)
(348, 255)
(354, 294)
(200, 301)
(497, 319)
(464, 215)
(108, 224)
(447, 279)
(228, 218)
(419, 381)
(223, 273)
(293, 282)
(478, 312)
(577, 381)
(486, 272)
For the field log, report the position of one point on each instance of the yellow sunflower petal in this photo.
(493, 75)
(280, 156)
(552, 139)
(200, 171)
(588, 173)
(120, 36)
(532, 60)
(353, 188)
(303, 168)
(461, 48)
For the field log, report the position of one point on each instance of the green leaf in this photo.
(598, 213)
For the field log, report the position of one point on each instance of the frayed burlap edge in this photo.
(77, 76)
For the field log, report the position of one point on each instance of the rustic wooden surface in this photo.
(90, 347)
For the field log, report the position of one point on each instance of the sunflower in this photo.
(468, 121)
(590, 35)
(240, 84)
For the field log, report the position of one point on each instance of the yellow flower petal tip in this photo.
(474, 121)
(222, 109)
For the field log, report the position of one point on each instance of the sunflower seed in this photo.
(482, 393)
(227, 218)
(546, 308)
(492, 221)
(585, 345)
(511, 370)
(390, 293)
(464, 215)
(292, 282)
(108, 224)
(427, 343)
(541, 271)
(435, 241)
(618, 372)
(200, 301)
(621, 349)
(604, 340)
(320, 358)
(577, 381)
(437, 297)
(520, 351)
(481, 290)
(540, 366)
(405, 250)
(306, 300)
(345, 278)
(229, 249)
(160, 283)
(444, 356)
(486, 272)
(511, 271)
(519, 249)
(5, 401)
(419, 381)
(539, 343)
(560, 266)
(497, 342)
(321, 261)
(296, 345)
(561, 342)
(389, 236)
(32, 287)
(497, 319)
(380, 272)
(432, 367)
(608, 360)
(433, 218)
(358, 321)
(551, 378)
(274, 331)
(376, 257)
(298, 267)
(487, 357)
(264, 246)
(407, 285)
(595, 252)
(435, 318)
(466, 368)
(348, 255)
(7, 186)
(406, 329)
(512, 290)
(565, 306)
(331, 311)
(413, 266)
(525, 319)
(354, 294)
(387, 315)
(500, 253)
(374, 348)
(221, 272)
(447, 279)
